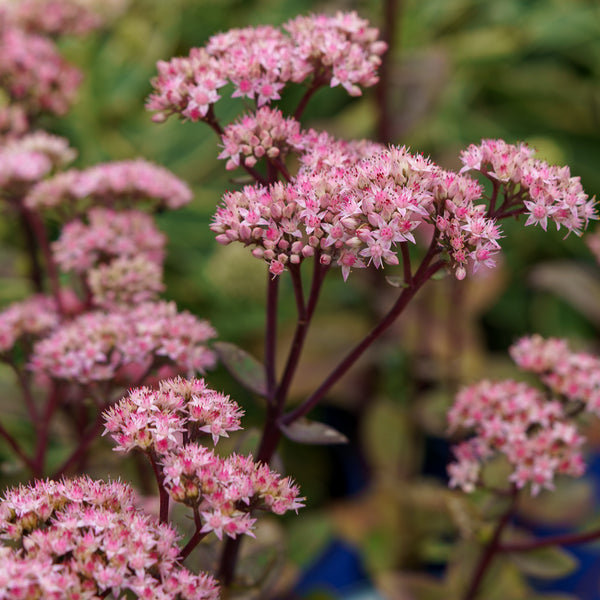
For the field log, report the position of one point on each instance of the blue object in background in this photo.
(338, 570)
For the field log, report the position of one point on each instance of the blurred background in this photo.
(457, 71)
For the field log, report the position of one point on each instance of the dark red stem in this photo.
(567, 539)
(163, 495)
(271, 335)
(492, 548)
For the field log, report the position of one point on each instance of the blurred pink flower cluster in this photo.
(574, 376)
(534, 430)
(32, 71)
(119, 184)
(87, 537)
(100, 345)
(167, 423)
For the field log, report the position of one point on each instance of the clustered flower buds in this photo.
(259, 61)
(116, 184)
(547, 191)
(28, 319)
(120, 254)
(168, 423)
(533, 430)
(28, 159)
(96, 345)
(55, 17)
(574, 376)
(357, 210)
(266, 133)
(87, 537)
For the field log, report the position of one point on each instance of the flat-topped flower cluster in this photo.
(534, 430)
(356, 205)
(547, 191)
(87, 537)
(260, 61)
(168, 423)
(32, 71)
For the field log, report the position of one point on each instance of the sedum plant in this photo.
(96, 345)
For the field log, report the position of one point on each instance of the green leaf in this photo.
(244, 367)
(304, 431)
(545, 563)
(396, 281)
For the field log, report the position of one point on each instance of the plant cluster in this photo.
(96, 346)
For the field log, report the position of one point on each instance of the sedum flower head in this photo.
(574, 376)
(96, 345)
(56, 17)
(260, 61)
(108, 234)
(125, 282)
(536, 434)
(353, 204)
(122, 184)
(167, 424)
(29, 319)
(154, 420)
(516, 421)
(548, 191)
(85, 539)
(33, 73)
(26, 160)
(263, 134)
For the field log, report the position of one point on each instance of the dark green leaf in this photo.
(304, 431)
(547, 563)
(396, 281)
(243, 366)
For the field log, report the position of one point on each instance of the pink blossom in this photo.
(260, 61)
(33, 73)
(55, 17)
(87, 536)
(515, 420)
(27, 320)
(168, 424)
(546, 191)
(123, 183)
(125, 281)
(574, 375)
(264, 134)
(355, 203)
(95, 346)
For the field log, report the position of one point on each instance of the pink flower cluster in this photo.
(28, 159)
(339, 50)
(97, 346)
(33, 73)
(86, 538)
(108, 234)
(29, 319)
(155, 420)
(516, 421)
(13, 122)
(125, 281)
(547, 191)
(265, 133)
(123, 183)
(574, 376)
(166, 424)
(355, 210)
(55, 17)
